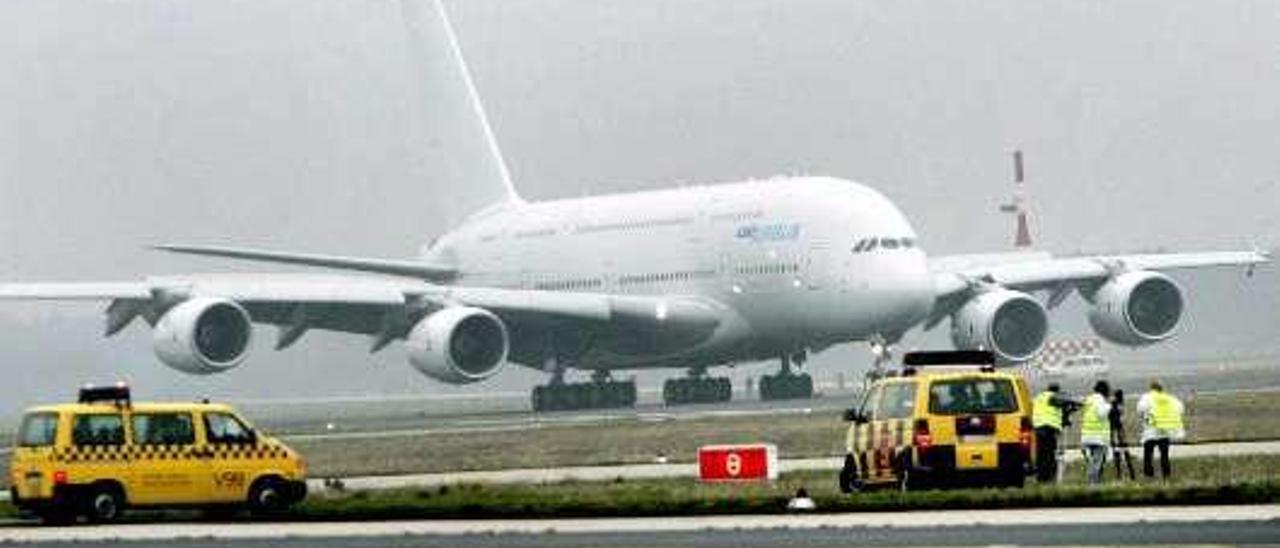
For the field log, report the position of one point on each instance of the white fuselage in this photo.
(780, 256)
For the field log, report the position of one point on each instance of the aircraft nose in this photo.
(909, 285)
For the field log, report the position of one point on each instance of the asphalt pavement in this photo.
(1168, 525)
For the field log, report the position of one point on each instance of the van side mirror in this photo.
(855, 416)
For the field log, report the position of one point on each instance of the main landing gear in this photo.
(696, 388)
(602, 392)
(786, 385)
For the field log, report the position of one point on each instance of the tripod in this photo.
(1120, 452)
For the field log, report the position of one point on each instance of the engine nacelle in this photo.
(1137, 308)
(1011, 324)
(459, 345)
(203, 336)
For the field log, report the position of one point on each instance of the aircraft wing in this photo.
(957, 277)
(1033, 271)
(385, 308)
(412, 269)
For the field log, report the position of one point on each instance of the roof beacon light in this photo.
(118, 394)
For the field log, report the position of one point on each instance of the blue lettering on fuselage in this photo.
(774, 232)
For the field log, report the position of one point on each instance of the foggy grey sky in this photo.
(294, 125)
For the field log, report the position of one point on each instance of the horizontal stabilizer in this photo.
(413, 269)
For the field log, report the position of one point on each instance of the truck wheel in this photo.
(267, 496)
(104, 504)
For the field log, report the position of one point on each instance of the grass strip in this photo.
(475, 501)
(1212, 480)
(1199, 481)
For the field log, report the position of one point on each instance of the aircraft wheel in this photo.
(629, 394)
(669, 389)
(724, 389)
(539, 399)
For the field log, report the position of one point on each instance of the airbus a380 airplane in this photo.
(683, 278)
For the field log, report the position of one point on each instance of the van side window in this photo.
(898, 401)
(870, 405)
(226, 428)
(98, 429)
(163, 429)
(38, 430)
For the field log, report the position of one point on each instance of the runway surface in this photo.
(382, 416)
(1079, 526)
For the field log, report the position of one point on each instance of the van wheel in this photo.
(849, 482)
(909, 479)
(104, 504)
(1015, 478)
(266, 496)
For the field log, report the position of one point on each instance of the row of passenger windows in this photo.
(768, 268)
(659, 277)
(631, 225)
(567, 285)
(663, 277)
(639, 224)
(871, 244)
(41, 429)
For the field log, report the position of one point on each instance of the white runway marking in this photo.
(929, 519)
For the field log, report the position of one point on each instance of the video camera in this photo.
(1069, 407)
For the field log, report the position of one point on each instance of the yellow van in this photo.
(103, 454)
(948, 418)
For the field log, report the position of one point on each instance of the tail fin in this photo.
(464, 161)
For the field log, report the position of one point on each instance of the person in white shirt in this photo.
(1161, 415)
(1095, 430)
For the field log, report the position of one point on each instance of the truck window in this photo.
(163, 429)
(98, 429)
(38, 430)
(226, 428)
(898, 401)
(971, 396)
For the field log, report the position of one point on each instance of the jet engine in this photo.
(1137, 308)
(203, 336)
(1011, 324)
(458, 345)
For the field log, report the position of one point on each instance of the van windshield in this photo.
(972, 396)
(38, 430)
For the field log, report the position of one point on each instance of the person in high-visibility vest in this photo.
(1047, 417)
(1095, 430)
(1161, 414)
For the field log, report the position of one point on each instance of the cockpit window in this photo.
(870, 244)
